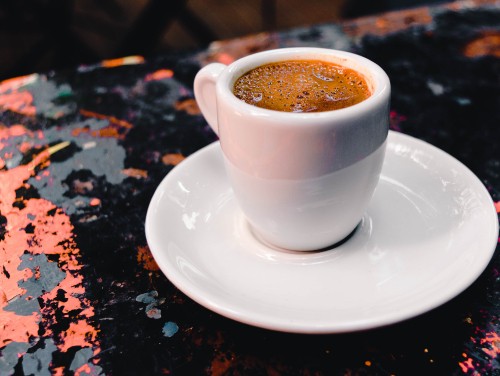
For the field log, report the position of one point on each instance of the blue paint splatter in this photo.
(152, 301)
(9, 356)
(169, 329)
(83, 357)
(52, 101)
(49, 276)
(38, 362)
(108, 149)
(147, 297)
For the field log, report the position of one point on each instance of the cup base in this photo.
(268, 244)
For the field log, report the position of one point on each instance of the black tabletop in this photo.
(82, 152)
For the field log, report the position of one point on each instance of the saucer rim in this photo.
(197, 294)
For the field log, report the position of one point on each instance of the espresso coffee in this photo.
(302, 86)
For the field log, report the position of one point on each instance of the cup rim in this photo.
(373, 73)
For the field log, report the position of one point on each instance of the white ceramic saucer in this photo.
(429, 232)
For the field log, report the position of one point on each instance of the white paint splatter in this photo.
(436, 88)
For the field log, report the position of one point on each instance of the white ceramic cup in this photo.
(303, 180)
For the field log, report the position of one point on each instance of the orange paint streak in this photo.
(41, 159)
(188, 105)
(95, 202)
(497, 206)
(13, 131)
(129, 60)
(220, 365)
(389, 22)
(116, 128)
(111, 119)
(491, 339)
(490, 352)
(135, 173)
(21, 102)
(107, 132)
(487, 44)
(160, 74)
(172, 159)
(145, 258)
(227, 51)
(15, 83)
(15, 100)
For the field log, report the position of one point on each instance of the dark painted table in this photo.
(82, 151)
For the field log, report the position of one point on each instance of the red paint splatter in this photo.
(497, 206)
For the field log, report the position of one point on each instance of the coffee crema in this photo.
(302, 86)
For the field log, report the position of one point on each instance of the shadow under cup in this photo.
(302, 180)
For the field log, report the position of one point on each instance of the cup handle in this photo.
(204, 92)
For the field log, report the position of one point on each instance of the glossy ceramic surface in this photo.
(429, 232)
(287, 169)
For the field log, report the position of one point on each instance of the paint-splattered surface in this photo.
(81, 153)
